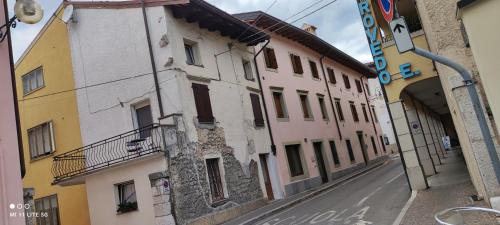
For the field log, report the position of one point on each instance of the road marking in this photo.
(394, 178)
(407, 206)
(368, 196)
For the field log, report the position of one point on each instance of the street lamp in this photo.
(26, 11)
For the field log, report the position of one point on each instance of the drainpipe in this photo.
(273, 146)
(151, 57)
(330, 95)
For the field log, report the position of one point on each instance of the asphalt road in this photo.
(376, 197)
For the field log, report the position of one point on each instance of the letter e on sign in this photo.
(401, 35)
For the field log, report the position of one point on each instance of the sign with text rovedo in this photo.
(371, 31)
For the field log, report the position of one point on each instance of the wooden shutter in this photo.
(358, 86)
(270, 58)
(203, 105)
(257, 110)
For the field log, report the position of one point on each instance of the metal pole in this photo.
(476, 104)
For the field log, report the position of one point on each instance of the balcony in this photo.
(119, 149)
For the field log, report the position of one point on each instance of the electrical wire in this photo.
(283, 21)
(258, 18)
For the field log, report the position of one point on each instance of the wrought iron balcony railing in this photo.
(118, 149)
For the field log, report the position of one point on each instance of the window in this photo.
(294, 160)
(306, 108)
(215, 180)
(374, 145)
(314, 69)
(349, 150)
(363, 107)
(368, 90)
(296, 64)
(279, 104)
(192, 52)
(144, 119)
(203, 105)
(347, 83)
(358, 86)
(322, 106)
(257, 110)
(354, 112)
(41, 140)
(383, 143)
(374, 114)
(331, 75)
(126, 197)
(247, 69)
(335, 154)
(270, 58)
(32, 81)
(47, 205)
(339, 109)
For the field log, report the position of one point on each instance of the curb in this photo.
(315, 192)
(401, 215)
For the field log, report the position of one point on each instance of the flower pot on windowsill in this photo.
(126, 207)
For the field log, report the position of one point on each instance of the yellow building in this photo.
(49, 124)
(434, 103)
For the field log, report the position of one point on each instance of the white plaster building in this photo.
(218, 145)
(377, 100)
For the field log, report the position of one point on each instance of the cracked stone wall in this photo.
(443, 32)
(191, 190)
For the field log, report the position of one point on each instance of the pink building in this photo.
(317, 103)
(11, 188)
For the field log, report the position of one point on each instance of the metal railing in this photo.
(118, 149)
(457, 218)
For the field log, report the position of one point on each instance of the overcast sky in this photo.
(339, 23)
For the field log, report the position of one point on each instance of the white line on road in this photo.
(368, 196)
(394, 178)
(407, 206)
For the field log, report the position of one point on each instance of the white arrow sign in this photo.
(401, 35)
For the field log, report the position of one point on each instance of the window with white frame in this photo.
(192, 52)
(32, 81)
(47, 206)
(126, 199)
(247, 69)
(41, 140)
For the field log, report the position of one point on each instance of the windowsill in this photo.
(206, 125)
(33, 91)
(297, 178)
(309, 119)
(126, 212)
(353, 161)
(198, 65)
(258, 127)
(252, 79)
(298, 75)
(285, 119)
(337, 165)
(316, 79)
(326, 119)
(271, 69)
(49, 155)
(219, 202)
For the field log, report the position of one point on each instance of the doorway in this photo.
(267, 178)
(363, 146)
(318, 150)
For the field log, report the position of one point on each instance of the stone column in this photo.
(429, 133)
(418, 138)
(160, 189)
(410, 155)
(435, 129)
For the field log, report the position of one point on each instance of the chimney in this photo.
(309, 28)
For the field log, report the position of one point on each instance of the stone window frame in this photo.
(335, 165)
(301, 93)
(222, 171)
(275, 70)
(290, 53)
(249, 75)
(323, 107)
(195, 51)
(318, 67)
(302, 160)
(284, 107)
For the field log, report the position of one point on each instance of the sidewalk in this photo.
(279, 205)
(451, 187)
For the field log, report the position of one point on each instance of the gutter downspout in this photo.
(273, 146)
(151, 57)
(330, 95)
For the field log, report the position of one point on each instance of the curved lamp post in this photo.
(26, 11)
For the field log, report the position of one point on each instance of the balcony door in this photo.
(143, 118)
